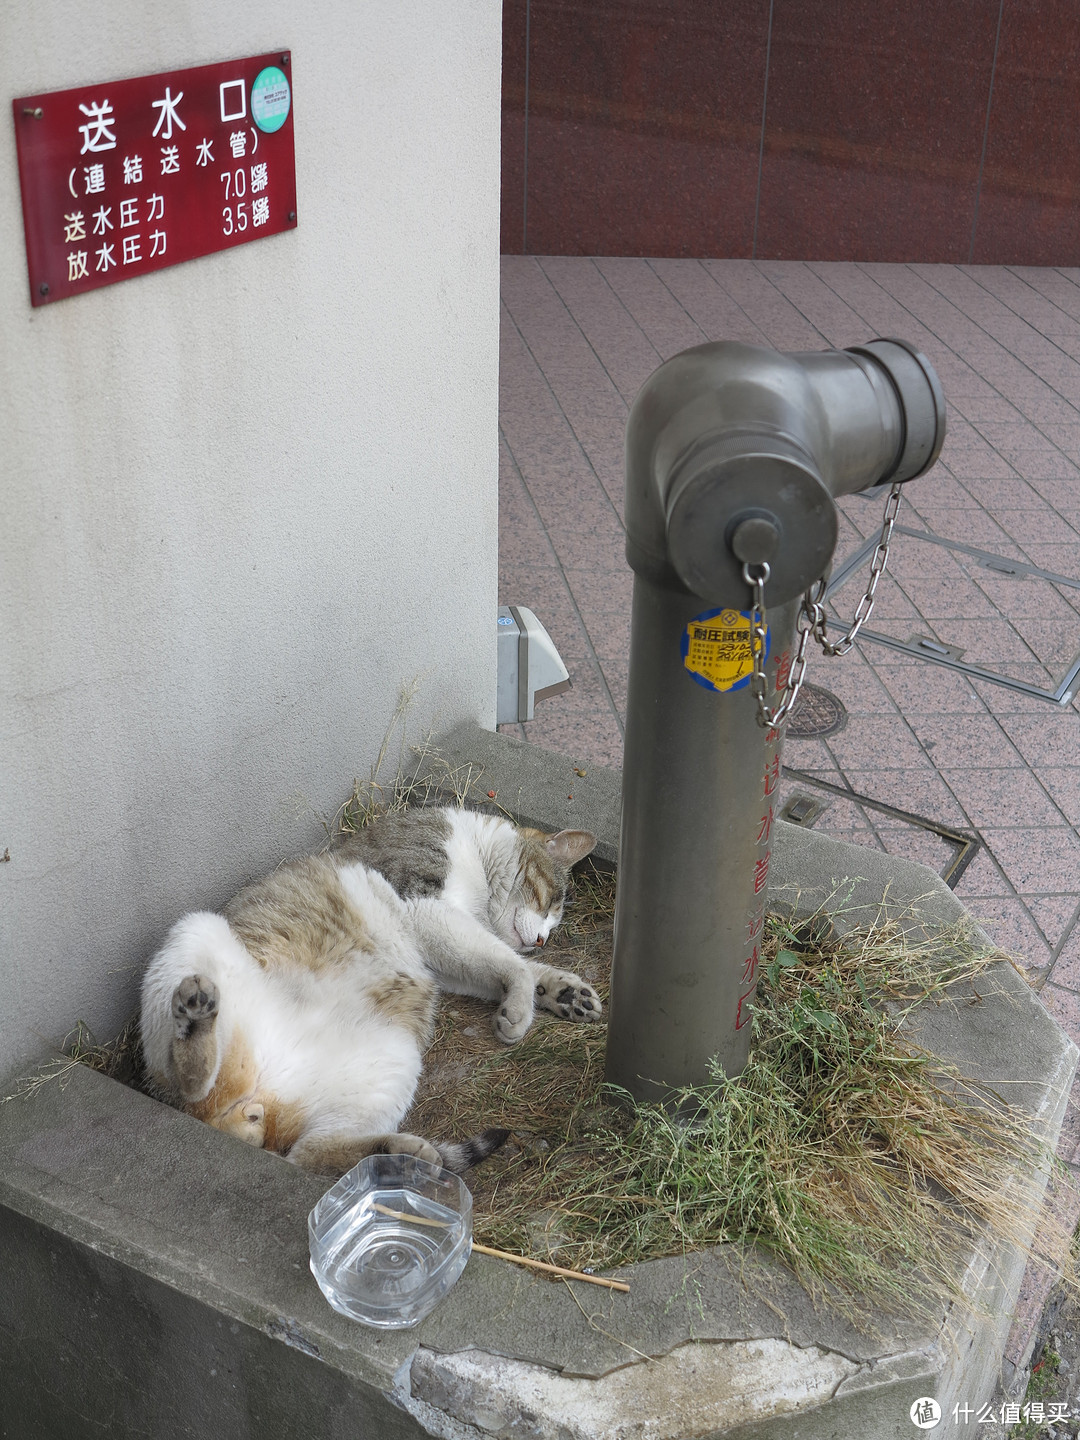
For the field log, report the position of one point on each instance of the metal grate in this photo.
(942, 652)
(817, 712)
(965, 845)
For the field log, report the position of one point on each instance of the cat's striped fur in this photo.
(298, 1018)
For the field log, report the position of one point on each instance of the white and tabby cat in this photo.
(297, 1019)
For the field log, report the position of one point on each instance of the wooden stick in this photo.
(552, 1269)
(505, 1254)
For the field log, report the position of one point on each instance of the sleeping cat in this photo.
(297, 1019)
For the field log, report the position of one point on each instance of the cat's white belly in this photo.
(343, 1065)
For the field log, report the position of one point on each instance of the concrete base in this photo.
(156, 1279)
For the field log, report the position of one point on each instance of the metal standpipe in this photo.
(734, 457)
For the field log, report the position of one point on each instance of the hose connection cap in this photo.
(746, 499)
(922, 405)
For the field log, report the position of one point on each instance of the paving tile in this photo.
(989, 641)
(840, 815)
(873, 742)
(1069, 1139)
(1054, 739)
(1026, 597)
(1036, 860)
(1062, 782)
(1064, 1006)
(1055, 915)
(660, 316)
(811, 756)
(983, 879)
(624, 350)
(922, 846)
(589, 739)
(928, 689)
(956, 740)
(713, 310)
(1036, 522)
(1065, 970)
(1001, 797)
(1054, 639)
(604, 599)
(989, 407)
(1036, 465)
(852, 681)
(891, 602)
(973, 526)
(920, 792)
(1003, 699)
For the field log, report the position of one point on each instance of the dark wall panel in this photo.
(515, 29)
(875, 125)
(644, 126)
(919, 131)
(1029, 206)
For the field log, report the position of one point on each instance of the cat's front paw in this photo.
(567, 996)
(194, 1000)
(513, 1017)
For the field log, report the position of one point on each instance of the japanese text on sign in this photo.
(126, 177)
(716, 649)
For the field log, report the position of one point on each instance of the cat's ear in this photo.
(570, 846)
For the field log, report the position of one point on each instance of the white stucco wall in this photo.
(245, 498)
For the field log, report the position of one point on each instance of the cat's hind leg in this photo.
(195, 991)
(333, 1154)
(194, 1049)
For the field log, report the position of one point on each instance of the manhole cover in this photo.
(817, 712)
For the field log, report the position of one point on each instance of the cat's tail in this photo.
(466, 1153)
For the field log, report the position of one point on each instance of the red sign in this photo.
(133, 175)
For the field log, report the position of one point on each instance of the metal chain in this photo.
(811, 620)
(813, 598)
(771, 719)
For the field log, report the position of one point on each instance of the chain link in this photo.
(811, 620)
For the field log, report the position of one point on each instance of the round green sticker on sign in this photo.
(270, 99)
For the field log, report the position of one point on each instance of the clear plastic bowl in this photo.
(390, 1238)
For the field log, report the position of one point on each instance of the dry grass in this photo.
(861, 1162)
(120, 1059)
(422, 776)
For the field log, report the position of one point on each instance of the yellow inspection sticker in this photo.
(716, 649)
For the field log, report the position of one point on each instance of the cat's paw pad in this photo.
(194, 999)
(513, 1018)
(568, 996)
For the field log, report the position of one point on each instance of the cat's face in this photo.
(536, 900)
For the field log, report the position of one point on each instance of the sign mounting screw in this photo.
(43, 288)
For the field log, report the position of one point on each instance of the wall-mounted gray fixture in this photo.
(734, 458)
(530, 668)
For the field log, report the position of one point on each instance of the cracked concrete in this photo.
(696, 1389)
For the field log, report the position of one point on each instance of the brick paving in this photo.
(579, 338)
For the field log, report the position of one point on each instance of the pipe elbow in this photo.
(735, 454)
